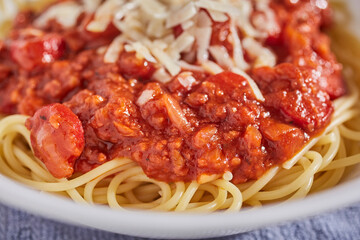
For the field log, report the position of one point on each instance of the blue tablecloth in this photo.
(341, 224)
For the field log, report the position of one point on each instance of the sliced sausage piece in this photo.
(57, 137)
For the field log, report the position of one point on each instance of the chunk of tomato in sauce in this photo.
(218, 96)
(97, 39)
(284, 139)
(233, 85)
(134, 67)
(57, 138)
(219, 36)
(293, 94)
(37, 50)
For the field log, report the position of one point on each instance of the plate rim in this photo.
(179, 225)
(172, 225)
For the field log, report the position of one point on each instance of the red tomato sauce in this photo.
(213, 125)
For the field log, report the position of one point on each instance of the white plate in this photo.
(171, 225)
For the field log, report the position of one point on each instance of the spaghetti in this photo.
(122, 183)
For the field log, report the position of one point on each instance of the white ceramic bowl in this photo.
(175, 225)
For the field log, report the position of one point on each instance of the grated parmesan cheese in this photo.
(187, 66)
(186, 79)
(154, 8)
(161, 76)
(183, 43)
(268, 24)
(166, 61)
(252, 84)
(65, 13)
(145, 96)
(186, 25)
(220, 6)
(218, 16)
(120, 13)
(220, 54)
(263, 56)
(156, 28)
(141, 51)
(203, 37)
(91, 5)
(104, 15)
(238, 53)
(114, 50)
(211, 67)
(183, 14)
(147, 28)
(243, 20)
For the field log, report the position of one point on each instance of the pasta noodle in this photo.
(121, 183)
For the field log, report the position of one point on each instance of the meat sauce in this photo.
(86, 112)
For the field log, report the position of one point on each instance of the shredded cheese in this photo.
(141, 51)
(183, 14)
(114, 50)
(220, 54)
(121, 12)
(238, 53)
(104, 15)
(166, 60)
(263, 56)
(252, 84)
(211, 67)
(161, 76)
(186, 25)
(65, 13)
(154, 8)
(145, 96)
(186, 79)
(218, 6)
(268, 24)
(218, 16)
(91, 5)
(187, 66)
(176, 35)
(183, 43)
(203, 37)
(156, 28)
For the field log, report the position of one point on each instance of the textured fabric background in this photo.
(343, 224)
